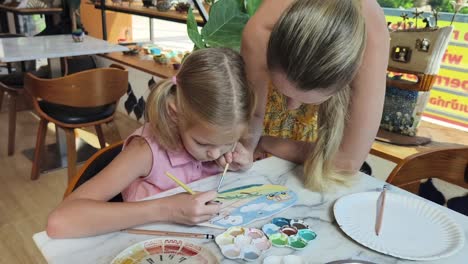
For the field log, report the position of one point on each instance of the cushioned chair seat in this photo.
(13, 80)
(76, 115)
(16, 79)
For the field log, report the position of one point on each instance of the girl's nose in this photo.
(292, 103)
(214, 153)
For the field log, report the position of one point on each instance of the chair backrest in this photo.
(89, 88)
(79, 63)
(93, 166)
(450, 165)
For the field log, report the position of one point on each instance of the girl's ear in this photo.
(172, 108)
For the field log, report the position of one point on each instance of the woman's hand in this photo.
(260, 152)
(188, 209)
(239, 159)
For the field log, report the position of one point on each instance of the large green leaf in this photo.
(252, 6)
(192, 30)
(225, 25)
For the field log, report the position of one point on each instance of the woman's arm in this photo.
(368, 92)
(285, 148)
(254, 50)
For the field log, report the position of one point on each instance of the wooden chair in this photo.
(450, 165)
(93, 166)
(11, 84)
(87, 98)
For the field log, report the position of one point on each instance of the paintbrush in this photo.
(180, 183)
(380, 210)
(167, 233)
(225, 169)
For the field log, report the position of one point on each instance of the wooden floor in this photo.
(25, 204)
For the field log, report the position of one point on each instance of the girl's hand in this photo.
(188, 209)
(239, 159)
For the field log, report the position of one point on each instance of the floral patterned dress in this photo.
(298, 124)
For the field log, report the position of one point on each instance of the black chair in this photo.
(93, 166)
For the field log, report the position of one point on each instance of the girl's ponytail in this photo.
(157, 114)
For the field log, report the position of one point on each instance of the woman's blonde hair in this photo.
(318, 45)
(211, 87)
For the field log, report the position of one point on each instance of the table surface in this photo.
(316, 210)
(56, 46)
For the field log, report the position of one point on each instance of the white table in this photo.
(316, 209)
(53, 48)
(57, 46)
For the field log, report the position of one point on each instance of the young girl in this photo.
(193, 119)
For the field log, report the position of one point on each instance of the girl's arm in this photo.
(86, 211)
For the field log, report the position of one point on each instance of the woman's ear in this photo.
(172, 108)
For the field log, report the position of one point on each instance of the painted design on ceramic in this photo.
(165, 251)
(243, 243)
(293, 233)
(246, 204)
(403, 110)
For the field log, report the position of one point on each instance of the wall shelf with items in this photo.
(141, 61)
(201, 15)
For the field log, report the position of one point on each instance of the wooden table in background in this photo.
(442, 137)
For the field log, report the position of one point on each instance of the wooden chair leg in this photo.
(100, 135)
(11, 124)
(41, 134)
(71, 152)
(1, 99)
(114, 132)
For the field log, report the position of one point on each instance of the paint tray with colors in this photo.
(293, 233)
(243, 243)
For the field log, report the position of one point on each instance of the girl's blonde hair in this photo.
(211, 88)
(319, 45)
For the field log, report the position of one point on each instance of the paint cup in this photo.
(279, 239)
(307, 234)
(296, 242)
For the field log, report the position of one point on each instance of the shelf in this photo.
(143, 63)
(152, 12)
(30, 11)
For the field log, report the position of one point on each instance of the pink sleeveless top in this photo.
(180, 164)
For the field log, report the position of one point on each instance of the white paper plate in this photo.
(167, 251)
(412, 228)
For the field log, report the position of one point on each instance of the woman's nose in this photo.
(292, 103)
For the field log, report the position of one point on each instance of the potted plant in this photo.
(225, 24)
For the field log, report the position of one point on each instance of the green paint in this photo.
(297, 242)
(279, 239)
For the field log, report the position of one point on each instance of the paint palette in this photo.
(293, 233)
(165, 251)
(243, 243)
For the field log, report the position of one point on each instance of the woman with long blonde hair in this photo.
(320, 83)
